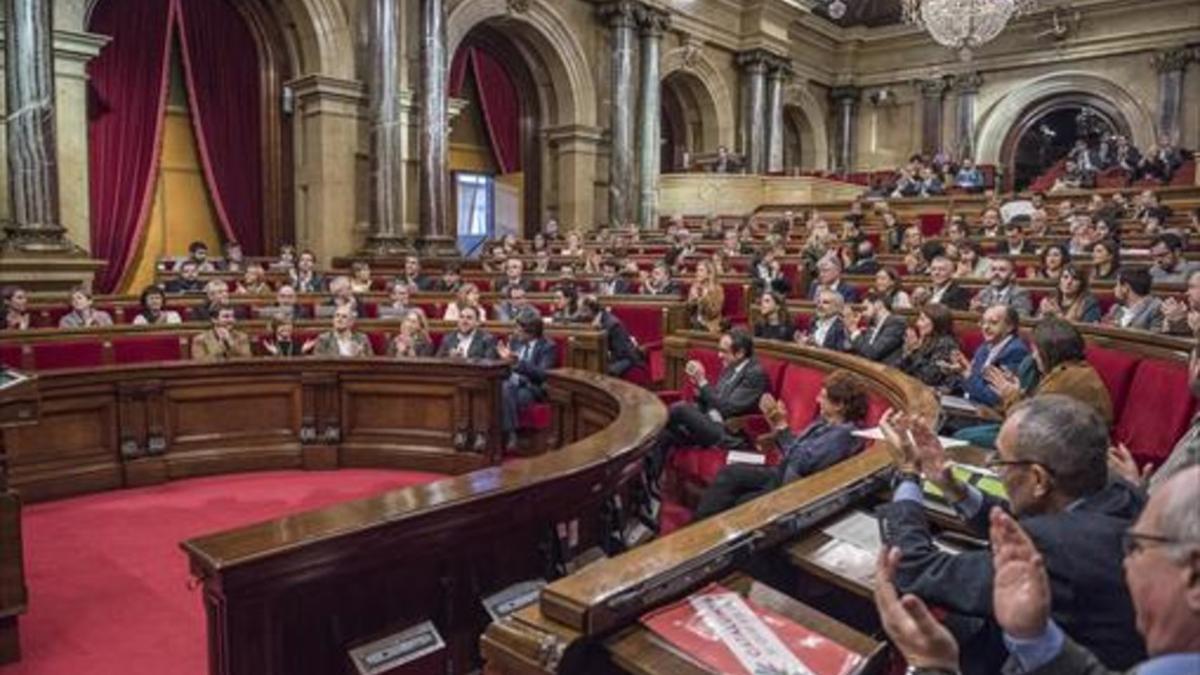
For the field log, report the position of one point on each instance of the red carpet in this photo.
(108, 584)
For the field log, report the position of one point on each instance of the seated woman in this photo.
(82, 315)
(929, 345)
(1106, 260)
(564, 308)
(278, 341)
(705, 299)
(1072, 300)
(16, 309)
(360, 276)
(468, 296)
(774, 321)
(887, 284)
(413, 338)
(154, 298)
(254, 281)
(1054, 259)
(399, 301)
(823, 443)
(970, 264)
(1058, 353)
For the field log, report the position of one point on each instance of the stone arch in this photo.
(545, 38)
(707, 88)
(804, 109)
(1001, 117)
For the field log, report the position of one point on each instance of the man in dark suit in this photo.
(829, 278)
(659, 282)
(739, 387)
(412, 276)
(469, 341)
(188, 281)
(531, 356)
(875, 333)
(621, 350)
(1051, 458)
(1002, 348)
(611, 282)
(514, 271)
(945, 290)
(828, 330)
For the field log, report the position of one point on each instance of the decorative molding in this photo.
(967, 83)
(691, 51)
(845, 94)
(933, 88)
(651, 20)
(1173, 58)
(517, 6)
(619, 14)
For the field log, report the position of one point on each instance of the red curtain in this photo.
(500, 106)
(220, 65)
(127, 99)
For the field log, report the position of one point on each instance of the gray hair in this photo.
(1179, 518)
(1068, 437)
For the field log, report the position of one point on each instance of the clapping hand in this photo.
(1173, 309)
(923, 641)
(1049, 307)
(912, 341)
(308, 346)
(504, 351)
(1121, 463)
(1020, 586)
(1003, 382)
(958, 363)
(695, 370)
(774, 410)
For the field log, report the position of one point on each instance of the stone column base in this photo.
(380, 246)
(48, 273)
(438, 246)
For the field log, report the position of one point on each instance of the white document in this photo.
(876, 434)
(858, 528)
(743, 457)
(847, 560)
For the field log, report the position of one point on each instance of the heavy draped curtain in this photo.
(499, 104)
(129, 81)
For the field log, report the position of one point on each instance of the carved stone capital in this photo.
(933, 87)
(968, 83)
(619, 14)
(845, 94)
(756, 60)
(651, 20)
(1172, 59)
(692, 50)
(517, 6)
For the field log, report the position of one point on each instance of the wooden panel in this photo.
(231, 415)
(74, 449)
(382, 410)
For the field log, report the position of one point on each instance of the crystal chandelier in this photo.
(964, 25)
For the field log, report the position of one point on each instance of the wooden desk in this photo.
(19, 407)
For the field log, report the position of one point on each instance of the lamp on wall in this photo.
(965, 25)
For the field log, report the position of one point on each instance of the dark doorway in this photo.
(1048, 130)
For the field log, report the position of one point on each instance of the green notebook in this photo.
(985, 481)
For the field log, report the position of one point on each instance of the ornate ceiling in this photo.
(863, 12)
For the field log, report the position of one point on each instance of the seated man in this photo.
(188, 280)
(469, 341)
(343, 341)
(1169, 266)
(513, 303)
(305, 278)
(620, 347)
(1183, 317)
(531, 356)
(767, 273)
(1002, 348)
(829, 278)
(969, 177)
(739, 387)
(514, 271)
(659, 281)
(1135, 307)
(943, 288)
(412, 278)
(285, 305)
(449, 282)
(221, 341)
(216, 294)
(1002, 289)
(828, 328)
(1160, 570)
(823, 443)
(1050, 458)
(342, 289)
(874, 332)
(611, 282)
(198, 254)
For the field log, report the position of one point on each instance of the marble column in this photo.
(34, 223)
(386, 130)
(437, 232)
(651, 22)
(622, 20)
(968, 92)
(932, 92)
(754, 109)
(1171, 65)
(845, 99)
(776, 79)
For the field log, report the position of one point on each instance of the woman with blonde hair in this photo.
(705, 299)
(468, 296)
(413, 338)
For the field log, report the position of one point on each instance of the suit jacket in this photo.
(818, 447)
(482, 347)
(885, 345)
(1082, 551)
(844, 289)
(1013, 295)
(522, 283)
(207, 346)
(763, 280)
(181, 285)
(955, 297)
(542, 358)
(864, 266)
(672, 288)
(618, 286)
(1146, 316)
(618, 342)
(327, 345)
(1012, 353)
(835, 337)
(736, 391)
(782, 331)
(1080, 381)
(924, 362)
(314, 284)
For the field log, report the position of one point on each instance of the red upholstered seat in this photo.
(370, 310)
(645, 323)
(379, 342)
(876, 406)
(1157, 410)
(73, 354)
(1116, 368)
(54, 315)
(536, 417)
(735, 301)
(143, 349)
(798, 392)
(10, 355)
(932, 223)
(640, 375)
(969, 341)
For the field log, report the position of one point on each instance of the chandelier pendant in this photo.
(964, 25)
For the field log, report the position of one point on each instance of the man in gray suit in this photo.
(1162, 570)
(1135, 307)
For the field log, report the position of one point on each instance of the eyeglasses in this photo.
(1134, 542)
